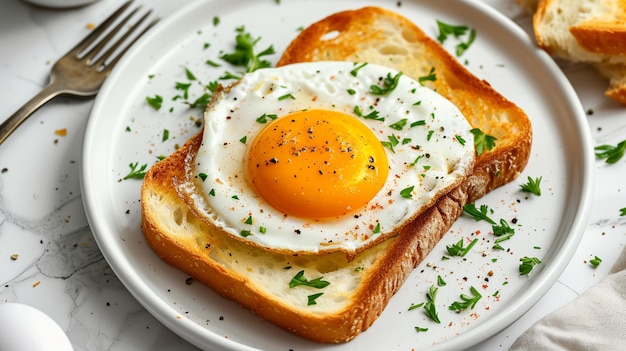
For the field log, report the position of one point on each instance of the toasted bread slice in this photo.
(586, 31)
(582, 30)
(361, 287)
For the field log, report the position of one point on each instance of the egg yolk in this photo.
(317, 164)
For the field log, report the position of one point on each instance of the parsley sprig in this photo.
(457, 31)
(483, 142)
(429, 307)
(527, 264)
(389, 84)
(458, 248)
(609, 153)
(467, 301)
(478, 213)
(533, 186)
(299, 279)
(136, 173)
(244, 54)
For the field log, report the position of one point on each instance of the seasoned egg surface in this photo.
(326, 156)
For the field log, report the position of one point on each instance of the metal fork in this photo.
(81, 72)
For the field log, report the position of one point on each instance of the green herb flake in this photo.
(478, 213)
(136, 173)
(458, 248)
(243, 140)
(166, 135)
(203, 177)
(482, 141)
(407, 193)
(466, 301)
(609, 153)
(421, 122)
(392, 143)
(244, 54)
(377, 228)
(460, 140)
(189, 75)
(431, 76)
(372, 115)
(440, 281)
(430, 134)
(212, 192)
(351, 91)
(262, 230)
(248, 220)
(300, 280)
(312, 299)
(595, 262)
(415, 306)
(216, 21)
(212, 63)
(399, 125)
(355, 71)
(532, 186)
(429, 307)
(527, 264)
(420, 330)
(286, 96)
(155, 102)
(245, 233)
(389, 84)
(264, 118)
(622, 211)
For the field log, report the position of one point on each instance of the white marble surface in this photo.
(59, 268)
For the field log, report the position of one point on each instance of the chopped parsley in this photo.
(440, 281)
(478, 213)
(482, 141)
(609, 153)
(457, 31)
(377, 228)
(312, 298)
(393, 141)
(622, 211)
(265, 117)
(429, 307)
(533, 186)
(300, 280)
(419, 329)
(155, 102)
(458, 249)
(467, 301)
(372, 115)
(527, 264)
(389, 84)
(460, 140)
(286, 96)
(399, 125)
(355, 71)
(136, 173)
(431, 76)
(166, 135)
(407, 193)
(244, 54)
(595, 262)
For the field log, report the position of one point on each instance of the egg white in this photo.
(227, 200)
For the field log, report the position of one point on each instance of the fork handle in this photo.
(45, 95)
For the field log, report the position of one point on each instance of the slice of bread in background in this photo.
(585, 31)
(360, 288)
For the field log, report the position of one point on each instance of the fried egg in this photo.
(326, 156)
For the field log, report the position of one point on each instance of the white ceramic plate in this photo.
(123, 129)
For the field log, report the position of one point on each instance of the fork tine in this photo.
(99, 30)
(104, 41)
(102, 60)
(109, 67)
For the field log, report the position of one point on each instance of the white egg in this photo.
(25, 328)
(327, 156)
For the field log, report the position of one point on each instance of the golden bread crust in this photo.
(230, 267)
